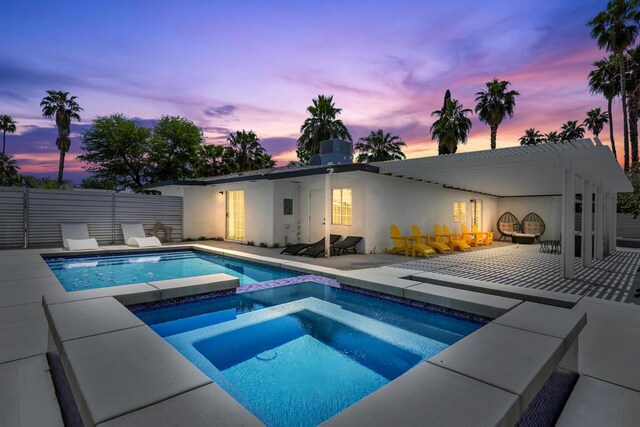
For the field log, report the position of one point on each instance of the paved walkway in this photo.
(614, 278)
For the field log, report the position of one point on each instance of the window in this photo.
(235, 215)
(459, 211)
(341, 206)
(476, 213)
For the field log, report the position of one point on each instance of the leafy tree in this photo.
(265, 161)
(595, 121)
(58, 104)
(43, 183)
(571, 131)
(7, 124)
(494, 104)
(605, 80)
(531, 137)
(115, 149)
(215, 160)
(175, 148)
(9, 175)
(379, 146)
(452, 126)
(615, 29)
(96, 183)
(552, 137)
(321, 126)
(247, 152)
(630, 202)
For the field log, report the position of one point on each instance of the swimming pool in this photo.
(100, 271)
(297, 355)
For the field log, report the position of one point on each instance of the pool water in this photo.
(100, 271)
(297, 355)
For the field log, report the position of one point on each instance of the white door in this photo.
(316, 215)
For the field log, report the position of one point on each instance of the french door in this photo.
(235, 215)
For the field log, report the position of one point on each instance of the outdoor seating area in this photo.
(440, 243)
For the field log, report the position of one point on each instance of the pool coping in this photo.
(384, 282)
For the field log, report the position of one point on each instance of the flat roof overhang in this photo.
(517, 171)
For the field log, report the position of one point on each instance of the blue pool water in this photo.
(297, 355)
(100, 271)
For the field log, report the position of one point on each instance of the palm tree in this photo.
(605, 80)
(552, 137)
(595, 121)
(571, 131)
(494, 104)
(452, 126)
(615, 29)
(321, 126)
(58, 104)
(7, 124)
(531, 136)
(633, 94)
(247, 153)
(9, 171)
(379, 147)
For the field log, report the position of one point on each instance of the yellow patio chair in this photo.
(474, 239)
(487, 235)
(401, 243)
(437, 244)
(456, 242)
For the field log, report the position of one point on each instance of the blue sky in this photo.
(232, 65)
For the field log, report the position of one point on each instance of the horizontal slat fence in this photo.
(12, 217)
(32, 217)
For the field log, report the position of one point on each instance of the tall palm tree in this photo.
(452, 126)
(60, 105)
(571, 131)
(633, 94)
(552, 137)
(494, 104)
(321, 126)
(379, 146)
(248, 154)
(531, 136)
(9, 168)
(595, 121)
(615, 29)
(605, 80)
(7, 124)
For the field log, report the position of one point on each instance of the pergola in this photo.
(566, 169)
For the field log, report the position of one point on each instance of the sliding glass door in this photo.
(235, 215)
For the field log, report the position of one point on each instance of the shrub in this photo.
(263, 245)
(275, 245)
(218, 239)
(251, 243)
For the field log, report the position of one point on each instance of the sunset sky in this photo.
(230, 65)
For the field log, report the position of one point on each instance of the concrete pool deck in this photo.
(609, 344)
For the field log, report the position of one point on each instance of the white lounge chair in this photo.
(75, 237)
(134, 236)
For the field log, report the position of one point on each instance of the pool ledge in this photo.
(122, 373)
(498, 375)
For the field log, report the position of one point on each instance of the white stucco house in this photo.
(305, 203)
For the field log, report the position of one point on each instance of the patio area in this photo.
(614, 278)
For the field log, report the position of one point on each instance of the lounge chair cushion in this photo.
(531, 227)
(79, 233)
(507, 227)
(144, 242)
(81, 244)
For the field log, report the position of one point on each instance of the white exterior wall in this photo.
(405, 202)
(548, 207)
(285, 227)
(198, 205)
(259, 209)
